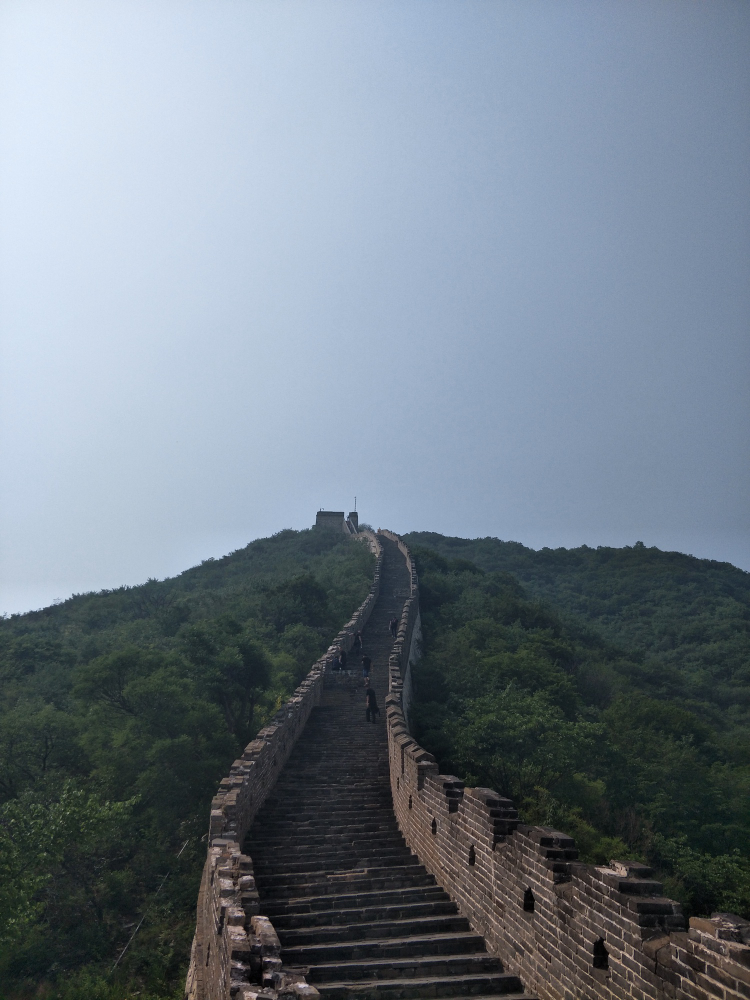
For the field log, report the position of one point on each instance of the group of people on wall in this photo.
(341, 663)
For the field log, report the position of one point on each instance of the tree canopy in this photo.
(119, 714)
(606, 691)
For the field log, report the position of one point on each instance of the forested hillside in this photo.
(606, 691)
(119, 714)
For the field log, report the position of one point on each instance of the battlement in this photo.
(569, 930)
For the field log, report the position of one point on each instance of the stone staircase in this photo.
(353, 908)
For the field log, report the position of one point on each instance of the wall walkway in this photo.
(234, 944)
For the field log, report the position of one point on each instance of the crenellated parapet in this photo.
(235, 951)
(569, 930)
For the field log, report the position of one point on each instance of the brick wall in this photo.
(569, 930)
(235, 949)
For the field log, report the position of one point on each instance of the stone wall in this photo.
(235, 949)
(569, 930)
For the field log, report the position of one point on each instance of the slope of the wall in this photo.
(568, 929)
(235, 950)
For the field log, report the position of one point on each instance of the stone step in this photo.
(272, 824)
(296, 825)
(397, 926)
(351, 847)
(307, 840)
(305, 845)
(347, 874)
(337, 783)
(344, 837)
(284, 887)
(380, 949)
(338, 771)
(476, 987)
(338, 778)
(406, 968)
(343, 809)
(459, 987)
(410, 967)
(342, 804)
(338, 863)
(347, 919)
(346, 860)
(350, 904)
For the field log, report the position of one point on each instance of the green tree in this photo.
(35, 836)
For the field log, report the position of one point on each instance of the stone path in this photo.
(352, 906)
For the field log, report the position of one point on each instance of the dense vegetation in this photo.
(606, 691)
(119, 714)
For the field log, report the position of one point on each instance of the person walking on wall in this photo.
(366, 664)
(342, 658)
(372, 711)
(357, 643)
(393, 624)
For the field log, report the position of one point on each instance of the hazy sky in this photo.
(484, 265)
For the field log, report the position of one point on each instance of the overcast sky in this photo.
(484, 265)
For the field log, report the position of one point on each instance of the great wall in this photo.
(341, 864)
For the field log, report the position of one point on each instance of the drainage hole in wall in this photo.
(472, 855)
(601, 955)
(528, 901)
(410, 801)
(434, 827)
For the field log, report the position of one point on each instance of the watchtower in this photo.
(333, 520)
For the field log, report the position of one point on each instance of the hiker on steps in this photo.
(342, 659)
(366, 664)
(393, 626)
(357, 643)
(372, 711)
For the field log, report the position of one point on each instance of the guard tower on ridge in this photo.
(334, 520)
